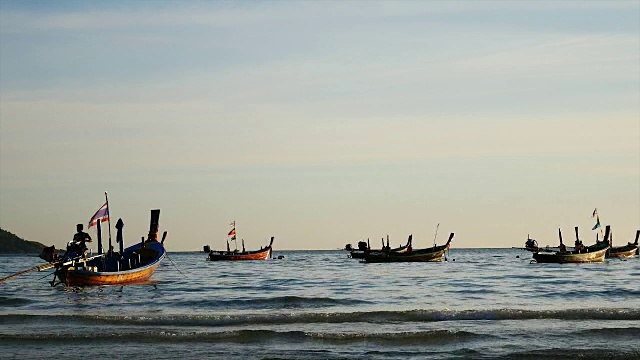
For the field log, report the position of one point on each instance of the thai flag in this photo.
(101, 215)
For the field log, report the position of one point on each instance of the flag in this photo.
(597, 225)
(233, 238)
(595, 212)
(233, 223)
(101, 215)
(232, 232)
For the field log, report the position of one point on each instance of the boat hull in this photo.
(260, 255)
(562, 258)
(623, 251)
(428, 255)
(90, 278)
(361, 254)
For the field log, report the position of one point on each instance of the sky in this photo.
(321, 122)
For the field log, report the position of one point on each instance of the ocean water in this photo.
(487, 304)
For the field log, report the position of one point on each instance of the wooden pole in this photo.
(99, 230)
(108, 219)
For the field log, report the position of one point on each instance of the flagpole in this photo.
(435, 235)
(109, 220)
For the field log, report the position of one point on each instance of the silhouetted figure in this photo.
(78, 244)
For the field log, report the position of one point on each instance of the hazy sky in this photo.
(321, 123)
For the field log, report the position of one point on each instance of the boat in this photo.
(580, 254)
(431, 254)
(364, 248)
(131, 265)
(262, 254)
(627, 251)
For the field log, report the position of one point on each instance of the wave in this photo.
(633, 332)
(575, 353)
(285, 302)
(12, 301)
(376, 317)
(251, 336)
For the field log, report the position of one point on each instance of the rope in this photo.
(45, 276)
(174, 265)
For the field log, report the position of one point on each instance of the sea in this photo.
(479, 304)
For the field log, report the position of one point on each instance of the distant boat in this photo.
(364, 248)
(430, 254)
(627, 251)
(593, 253)
(133, 264)
(262, 254)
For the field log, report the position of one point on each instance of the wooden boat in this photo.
(593, 253)
(434, 253)
(627, 251)
(131, 265)
(262, 254)
(364, 248)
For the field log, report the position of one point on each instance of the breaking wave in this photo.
(251, 336)
(376, 317)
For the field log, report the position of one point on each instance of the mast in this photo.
(99, 231)
(436, 235)
(108, 219)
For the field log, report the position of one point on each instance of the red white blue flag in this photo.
(101, 215)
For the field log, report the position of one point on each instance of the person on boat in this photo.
(563, 248)
(78, 244)
(579, 246)
(531, 243)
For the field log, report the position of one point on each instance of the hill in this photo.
(12, 244)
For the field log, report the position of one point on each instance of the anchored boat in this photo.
(421, 255)
(133, 264)
(262, 254)
(364, 248)
(593, 253)
(627, 251)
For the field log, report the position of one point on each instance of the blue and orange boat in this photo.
(131, 265)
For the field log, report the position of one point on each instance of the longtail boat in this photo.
(364, 248)
(593, 253)
(262, 254)
(430, 254)
(627, 251)
(131, 265)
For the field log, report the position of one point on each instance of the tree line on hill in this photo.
(12, 244)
